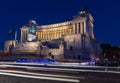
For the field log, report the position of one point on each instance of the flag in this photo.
(11, 31)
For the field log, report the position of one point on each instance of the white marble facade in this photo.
(63, 40)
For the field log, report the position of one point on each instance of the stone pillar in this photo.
(82, 28)
(54, 34)
(48, 35)
(77, 28)
(21, 35)
(42, 35)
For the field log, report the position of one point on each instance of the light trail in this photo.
(41, 68)
(58, 65)
(33, 75)
(38, 74)
(59, 69)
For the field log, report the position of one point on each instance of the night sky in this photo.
(106, 15)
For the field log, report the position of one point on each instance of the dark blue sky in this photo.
(106, 15)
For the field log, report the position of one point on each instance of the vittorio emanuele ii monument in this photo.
(66, 40)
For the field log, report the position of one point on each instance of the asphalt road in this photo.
(23, 74)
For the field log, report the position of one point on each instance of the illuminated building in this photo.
(67, 40)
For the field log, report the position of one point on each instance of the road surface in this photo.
(39, 73)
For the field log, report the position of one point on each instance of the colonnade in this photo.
(53, 34)
(80, 28)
